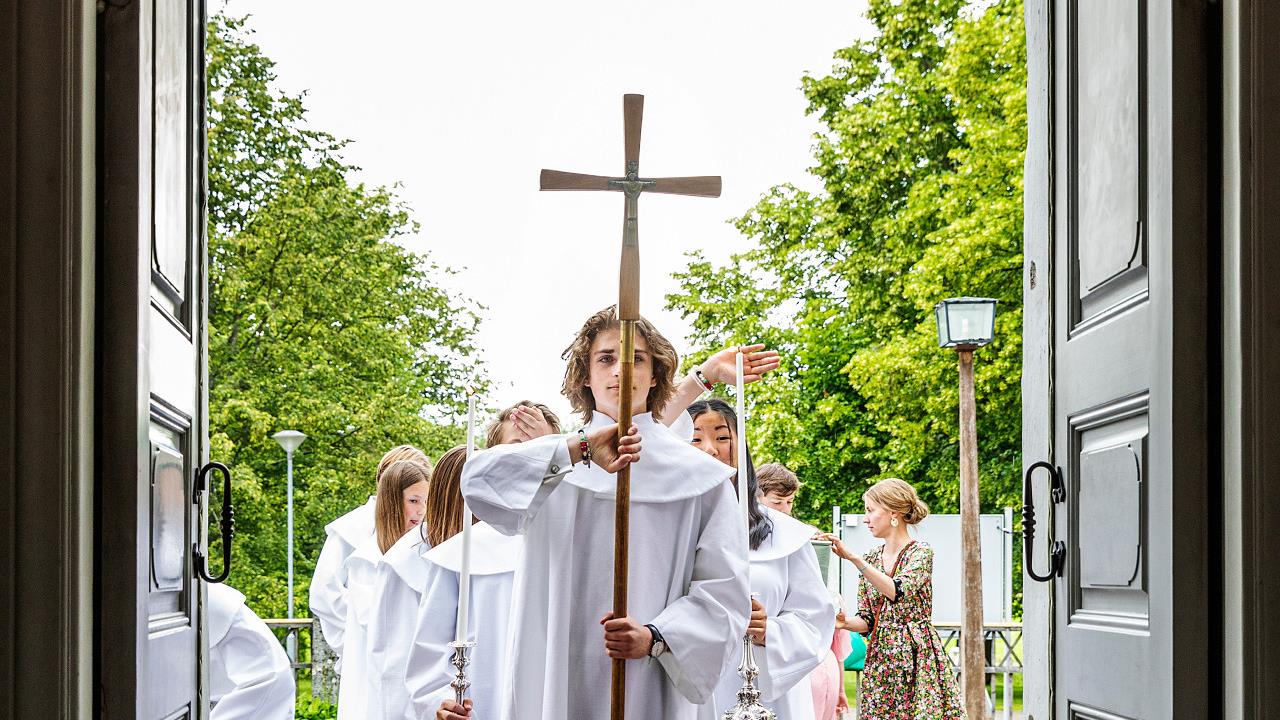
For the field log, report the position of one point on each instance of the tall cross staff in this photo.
(630, 185)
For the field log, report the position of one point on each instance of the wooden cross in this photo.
(631, 185)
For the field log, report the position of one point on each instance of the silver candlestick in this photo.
(748, 707)
(460, 662)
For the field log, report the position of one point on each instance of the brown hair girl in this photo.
(444, 497)
(389, 518)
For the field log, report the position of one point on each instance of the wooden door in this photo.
(151, 368)
(1121, 302)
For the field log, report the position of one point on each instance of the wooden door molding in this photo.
(1251, 403)
(46, 378)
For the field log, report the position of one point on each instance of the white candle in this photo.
(742, 447)
(464, 577)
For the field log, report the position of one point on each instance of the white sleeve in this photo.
(797, 635)
(394, 611)
(251, 659)
(429, 670)
(506, 485)
(704, 628)
(328, 594)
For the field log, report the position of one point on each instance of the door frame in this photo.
(1251, 344)
(47, 325)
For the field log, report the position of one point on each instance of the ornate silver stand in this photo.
(460, 662)
(748, 707)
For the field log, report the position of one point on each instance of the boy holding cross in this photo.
(688, 565)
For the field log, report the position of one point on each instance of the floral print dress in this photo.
(907, 674)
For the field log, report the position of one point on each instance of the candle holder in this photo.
(460, 662)
(748, 707)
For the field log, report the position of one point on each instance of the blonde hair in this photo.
(661, 352)
(388, 513)
(777, 479)
(899, 497)
(493, 433)
(400, 452)
(444, 497)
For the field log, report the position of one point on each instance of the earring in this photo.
(894, 522)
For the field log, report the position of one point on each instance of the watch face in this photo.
(658, 648)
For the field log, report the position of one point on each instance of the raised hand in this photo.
(529, 423)
(756, 361)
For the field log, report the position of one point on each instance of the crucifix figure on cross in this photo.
(631, 185)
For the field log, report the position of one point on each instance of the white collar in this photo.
(354, 527)
(405, 558)
(492, 553)
(788, 536)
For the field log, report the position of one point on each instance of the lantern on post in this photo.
(964, 325)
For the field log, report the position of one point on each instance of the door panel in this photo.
(1127, 171)
(151, 367)
(1107, 133)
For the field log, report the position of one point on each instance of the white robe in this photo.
(357, 692)
(401, 578)
(801, 618)
(328, 595)
(494, 559)
(249, 673)
(687, 572)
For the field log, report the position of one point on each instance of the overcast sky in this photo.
(462, 103)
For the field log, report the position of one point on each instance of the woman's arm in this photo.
(878, 579)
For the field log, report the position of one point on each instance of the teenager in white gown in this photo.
(401, 507)
(249, 673)
(687, 561)
(401, 578)
(328, 594)
(494, 559)
(798, 616)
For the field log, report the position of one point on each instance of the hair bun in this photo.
(919, 511)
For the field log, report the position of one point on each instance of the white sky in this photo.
(462, 103)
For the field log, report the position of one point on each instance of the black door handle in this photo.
(1057, 494)
(226, 522)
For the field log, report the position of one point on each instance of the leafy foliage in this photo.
(310, 708)
(920, 158)
(318, 321)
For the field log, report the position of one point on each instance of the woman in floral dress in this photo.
(907, 674)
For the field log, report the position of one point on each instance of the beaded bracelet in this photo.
(584, 447)
(702, 379)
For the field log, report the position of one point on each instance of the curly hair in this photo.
(662, 353)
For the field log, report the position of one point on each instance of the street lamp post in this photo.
(966, 324)
(290, 440)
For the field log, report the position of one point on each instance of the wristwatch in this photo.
(659, 645)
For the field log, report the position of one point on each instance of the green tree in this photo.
(920, 158)
(318, 321)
